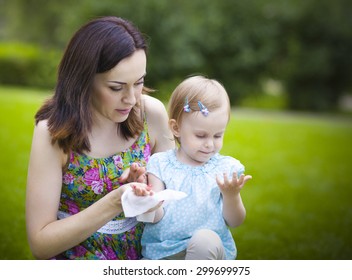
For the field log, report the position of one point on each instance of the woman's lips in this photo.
(124, 111)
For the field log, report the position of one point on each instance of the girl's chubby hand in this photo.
(142, 189)
(232, 186)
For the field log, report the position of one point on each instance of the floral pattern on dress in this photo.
(85, 181)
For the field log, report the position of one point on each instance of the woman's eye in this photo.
(116, 88)
(139, 83)
(200, 136)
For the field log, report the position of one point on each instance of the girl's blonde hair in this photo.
(210, 92)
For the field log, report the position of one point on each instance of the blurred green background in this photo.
(287, 66)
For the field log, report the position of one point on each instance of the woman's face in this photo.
(117, 91)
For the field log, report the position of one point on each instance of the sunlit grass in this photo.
(298, 203)
(17, 108)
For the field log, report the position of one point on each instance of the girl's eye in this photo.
(200, 136)
(217, 136)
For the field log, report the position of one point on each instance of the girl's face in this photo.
(200, 137)
(117, 91)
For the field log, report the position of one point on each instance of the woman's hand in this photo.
(135, 173)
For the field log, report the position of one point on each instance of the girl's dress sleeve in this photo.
(154, 165)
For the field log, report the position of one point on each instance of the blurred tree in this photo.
(304, 44)
(237, 45)
(47, 23)
(3, 11)
(315, 58)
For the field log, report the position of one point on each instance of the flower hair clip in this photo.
(204, 110)
(186, 108)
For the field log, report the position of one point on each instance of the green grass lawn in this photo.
(299, 203)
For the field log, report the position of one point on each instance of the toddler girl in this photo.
(196, 227)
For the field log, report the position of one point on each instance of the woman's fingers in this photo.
(135, 173)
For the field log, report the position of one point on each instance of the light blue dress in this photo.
(201, 209)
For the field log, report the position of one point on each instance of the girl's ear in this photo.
(174, 127)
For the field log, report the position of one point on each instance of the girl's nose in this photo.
(209, 143)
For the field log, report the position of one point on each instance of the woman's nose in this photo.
(129, 96)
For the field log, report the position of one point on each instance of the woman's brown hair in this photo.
(96, 47)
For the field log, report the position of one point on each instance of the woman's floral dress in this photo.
(88, 179)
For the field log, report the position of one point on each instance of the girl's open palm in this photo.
(232, 186)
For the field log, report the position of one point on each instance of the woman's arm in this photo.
(48, 236)
(234, 211)
(159, 132)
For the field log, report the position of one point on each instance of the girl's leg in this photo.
(205, 244)
(179, 256)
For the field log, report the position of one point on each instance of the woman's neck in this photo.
(105, 140)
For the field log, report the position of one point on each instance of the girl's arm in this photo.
(48, 236)
(154, 185)
(234, 211)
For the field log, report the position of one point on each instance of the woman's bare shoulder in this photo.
(157, 119)
(43, 139)
(42, 125)
(153, 105)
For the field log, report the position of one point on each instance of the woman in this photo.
(89, 140)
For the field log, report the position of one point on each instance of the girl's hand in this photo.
(135, 173)
(232, 186)
(142, 190)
